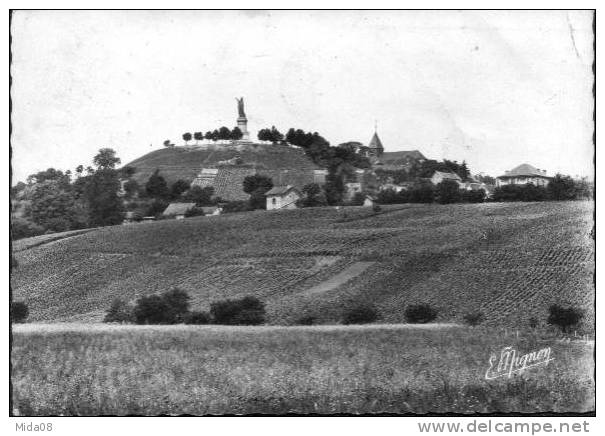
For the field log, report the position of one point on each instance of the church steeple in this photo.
(375, 147)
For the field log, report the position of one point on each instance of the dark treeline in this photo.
(100, 195)
(560, 188)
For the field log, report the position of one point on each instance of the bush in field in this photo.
(18, 311)
(420, 313)
(376, 208)
(473, 318)
(527, 192)
(119, 311)
(196, 317)
(177, 302)
(564, 317)
(244, 311)
(562, 188)
(473, 196)
(362, 314)
(423, 193)
(151, 310)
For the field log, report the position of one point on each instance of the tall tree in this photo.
(198, 136)
(187, 137)
(106, 159)
(257, 186)
(236, 133)
(49, 174)
(52, 205)
(156, 186)
(101, 193)
(562, 188)
(224, 133)
(200, 196)
(178, 188)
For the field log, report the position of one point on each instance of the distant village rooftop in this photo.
(524, 170)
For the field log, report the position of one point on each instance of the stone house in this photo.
(282, 197)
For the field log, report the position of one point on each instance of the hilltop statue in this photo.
(242, 121)
(240, 107)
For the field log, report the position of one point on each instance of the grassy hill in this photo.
(186, 162)
(511, 261)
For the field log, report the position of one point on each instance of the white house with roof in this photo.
(523, 175)
(282, 197)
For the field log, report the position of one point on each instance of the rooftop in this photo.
(375, 142)
(447, 175)
(524, 170)
(178, 208)
(280, 190)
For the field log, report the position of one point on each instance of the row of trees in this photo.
(560, 188)
(426, 169)
(221, 134)
(445, 192)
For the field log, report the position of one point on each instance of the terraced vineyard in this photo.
(510, 261)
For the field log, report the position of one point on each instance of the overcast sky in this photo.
(495, 88)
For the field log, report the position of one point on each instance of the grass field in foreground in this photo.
(150, 370)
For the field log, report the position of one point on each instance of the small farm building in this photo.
(178, 210)
(282, 197)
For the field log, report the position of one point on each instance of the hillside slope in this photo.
(186, 162)
(510, 261)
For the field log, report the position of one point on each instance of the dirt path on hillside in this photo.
(339, 279)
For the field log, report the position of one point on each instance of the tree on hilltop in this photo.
(236, 133)
(273, 135)
(187, 138)
(198, 136)
(167, 143)
(224, 133)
